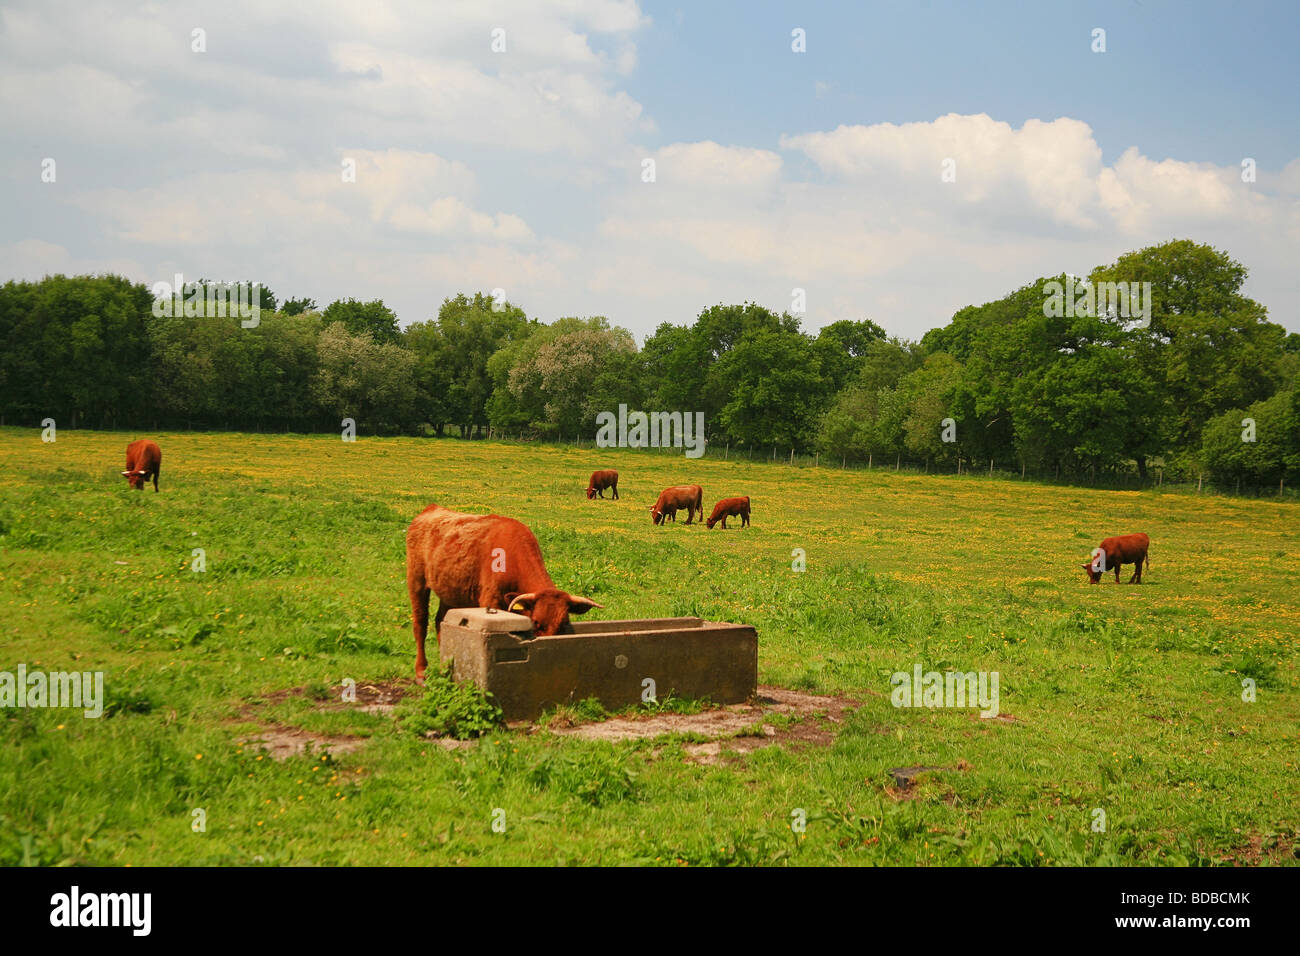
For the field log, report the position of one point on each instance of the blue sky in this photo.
(521, 169)
(1190, 80)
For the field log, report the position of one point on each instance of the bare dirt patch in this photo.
(281, 743)
(380, 697)
(1260, 848)
(374, 697)
(801, 720)
(775, 715)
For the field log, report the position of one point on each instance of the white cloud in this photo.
(709, 164)
(521, 170)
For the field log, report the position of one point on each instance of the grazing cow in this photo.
(1113, 552)
(671, 500)
(143, 458)
(480, 561)
(729, 507)
(600, 480)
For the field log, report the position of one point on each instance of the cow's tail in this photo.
(1148, 558)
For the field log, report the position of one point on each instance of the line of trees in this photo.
(1206, 386)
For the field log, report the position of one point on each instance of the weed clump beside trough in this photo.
(449, 709)
(597, 777)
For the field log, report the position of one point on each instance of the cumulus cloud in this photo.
(709, 164)
(521, 170)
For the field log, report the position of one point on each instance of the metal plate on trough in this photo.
(608, 660)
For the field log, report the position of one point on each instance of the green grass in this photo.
(444, 708)
(1125, 699)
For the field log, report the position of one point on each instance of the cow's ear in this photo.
(581, 605)
(517, 602)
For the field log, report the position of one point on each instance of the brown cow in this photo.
(689, 497)
(600, 480)
(1121, 550)
(729, 507)
(143, 458)
(480, 561)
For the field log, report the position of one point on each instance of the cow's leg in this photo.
(155, 478)
(616, 492)
(1137, 570)
(419, 621)
(1118, 565)
(724, 522)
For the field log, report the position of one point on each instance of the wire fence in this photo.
(1155, 479)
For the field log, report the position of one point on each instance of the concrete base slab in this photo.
(609, 660)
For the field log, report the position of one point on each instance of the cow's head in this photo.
(591, 492)
(135, 478)
(549, 609)
(656, 515)
(1094, 574)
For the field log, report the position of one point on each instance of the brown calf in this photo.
(671, 500)
(600, 480)
(480, 561)
(143, 458)
(730, 507)
(1117, 551)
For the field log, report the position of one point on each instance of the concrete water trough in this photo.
(608, 660)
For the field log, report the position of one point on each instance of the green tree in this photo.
(360, 317)
(76, 349)
(774, 388)
(359, 378)
(1208, 347)
(842, 349)
(555, 380)
(456, 353)
(298, 306)
(926, 396)
(1255, 445)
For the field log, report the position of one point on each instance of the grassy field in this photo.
(1118, 698)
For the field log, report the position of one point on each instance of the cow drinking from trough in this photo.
(480, 561)
(1113, 552)
(600, 480)
(728, 508)
(143, 458)
(671, 500)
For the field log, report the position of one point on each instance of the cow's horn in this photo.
(126, 473)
